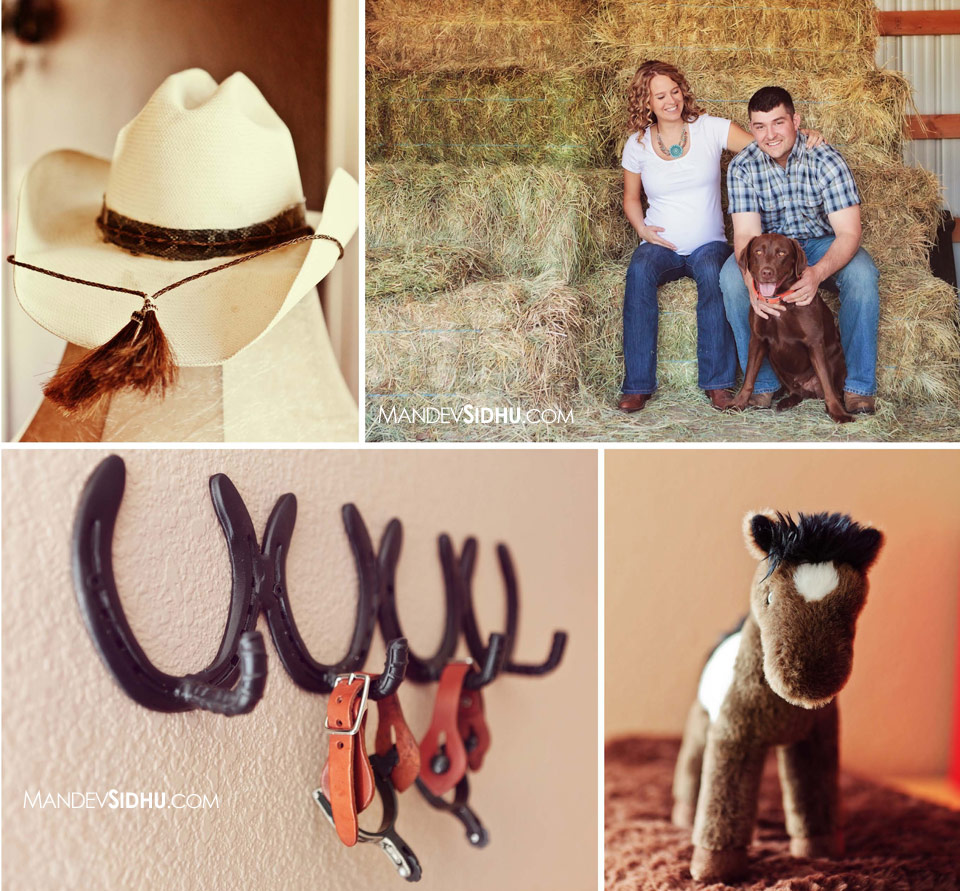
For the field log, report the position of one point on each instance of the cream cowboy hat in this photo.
(204, 170)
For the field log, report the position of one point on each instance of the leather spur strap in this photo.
(473, 727)
(443, 764)
(348, 779)
(408, 752)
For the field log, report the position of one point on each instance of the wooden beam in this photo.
(956, 229)
(941, 21)
(933, 126)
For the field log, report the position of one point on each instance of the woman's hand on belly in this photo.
(652, 234)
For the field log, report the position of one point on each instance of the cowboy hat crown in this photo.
(202, 155)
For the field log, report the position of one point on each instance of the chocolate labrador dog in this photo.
(802, 343)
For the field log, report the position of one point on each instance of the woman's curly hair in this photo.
(638, 103)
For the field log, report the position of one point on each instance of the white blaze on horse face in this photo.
(718, 675)
(814, 581)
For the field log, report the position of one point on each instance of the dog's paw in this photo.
(841, 417)
(789, 402)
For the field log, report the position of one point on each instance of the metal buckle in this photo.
(350, 678)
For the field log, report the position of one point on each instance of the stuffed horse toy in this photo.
(773, 682)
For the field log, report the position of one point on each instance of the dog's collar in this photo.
(776, 298)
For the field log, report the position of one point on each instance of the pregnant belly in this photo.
(683, 240)
(687, 233)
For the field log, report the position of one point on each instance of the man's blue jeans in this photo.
(653, 265)
(859, 316)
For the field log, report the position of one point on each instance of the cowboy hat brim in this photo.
(206, 321)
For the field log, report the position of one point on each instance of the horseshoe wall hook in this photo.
(241, 654)
(306, 671)
(471, 630)
(419, 669)
(428, 670)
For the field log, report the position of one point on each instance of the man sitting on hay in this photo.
(779, 184)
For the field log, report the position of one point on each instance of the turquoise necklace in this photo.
(675, 151)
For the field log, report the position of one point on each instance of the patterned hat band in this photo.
(137, 237)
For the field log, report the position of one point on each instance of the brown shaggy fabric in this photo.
(894, 842)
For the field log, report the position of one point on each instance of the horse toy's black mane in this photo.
(816, 538)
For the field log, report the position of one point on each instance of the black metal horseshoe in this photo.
(472, 632)
(428, 670)
(306, 671)
(259, 581)
(241, 654)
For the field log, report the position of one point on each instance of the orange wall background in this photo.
(677, 574)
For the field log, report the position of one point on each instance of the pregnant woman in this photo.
(674, 153)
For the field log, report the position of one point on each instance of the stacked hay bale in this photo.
(497, 245)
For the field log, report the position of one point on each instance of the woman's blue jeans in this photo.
(653, 265)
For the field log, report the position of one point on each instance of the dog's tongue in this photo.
(767, 288)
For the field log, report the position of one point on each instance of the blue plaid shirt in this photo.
(794, 201)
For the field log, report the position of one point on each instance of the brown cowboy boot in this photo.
(630, 402)
(761, 400)
(720, 399)
(859, 405)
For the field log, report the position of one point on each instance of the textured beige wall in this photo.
(677, 574)
(68, 727)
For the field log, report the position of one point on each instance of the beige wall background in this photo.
(68, 727)
(108, 57)
(677, 574)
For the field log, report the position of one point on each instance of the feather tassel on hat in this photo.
(136, 357)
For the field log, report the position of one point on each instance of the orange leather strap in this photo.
(443, 763)
(473, 728)
(347, 780)
(408, 752)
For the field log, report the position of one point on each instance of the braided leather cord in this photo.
(138, 237)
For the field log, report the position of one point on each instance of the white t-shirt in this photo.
(684, 194)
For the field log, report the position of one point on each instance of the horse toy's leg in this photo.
(686, 778)
(726, 809)
(811, 799)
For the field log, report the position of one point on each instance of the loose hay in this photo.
(775, 34)
(518, 339)
(672, 416)
(435, 35)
